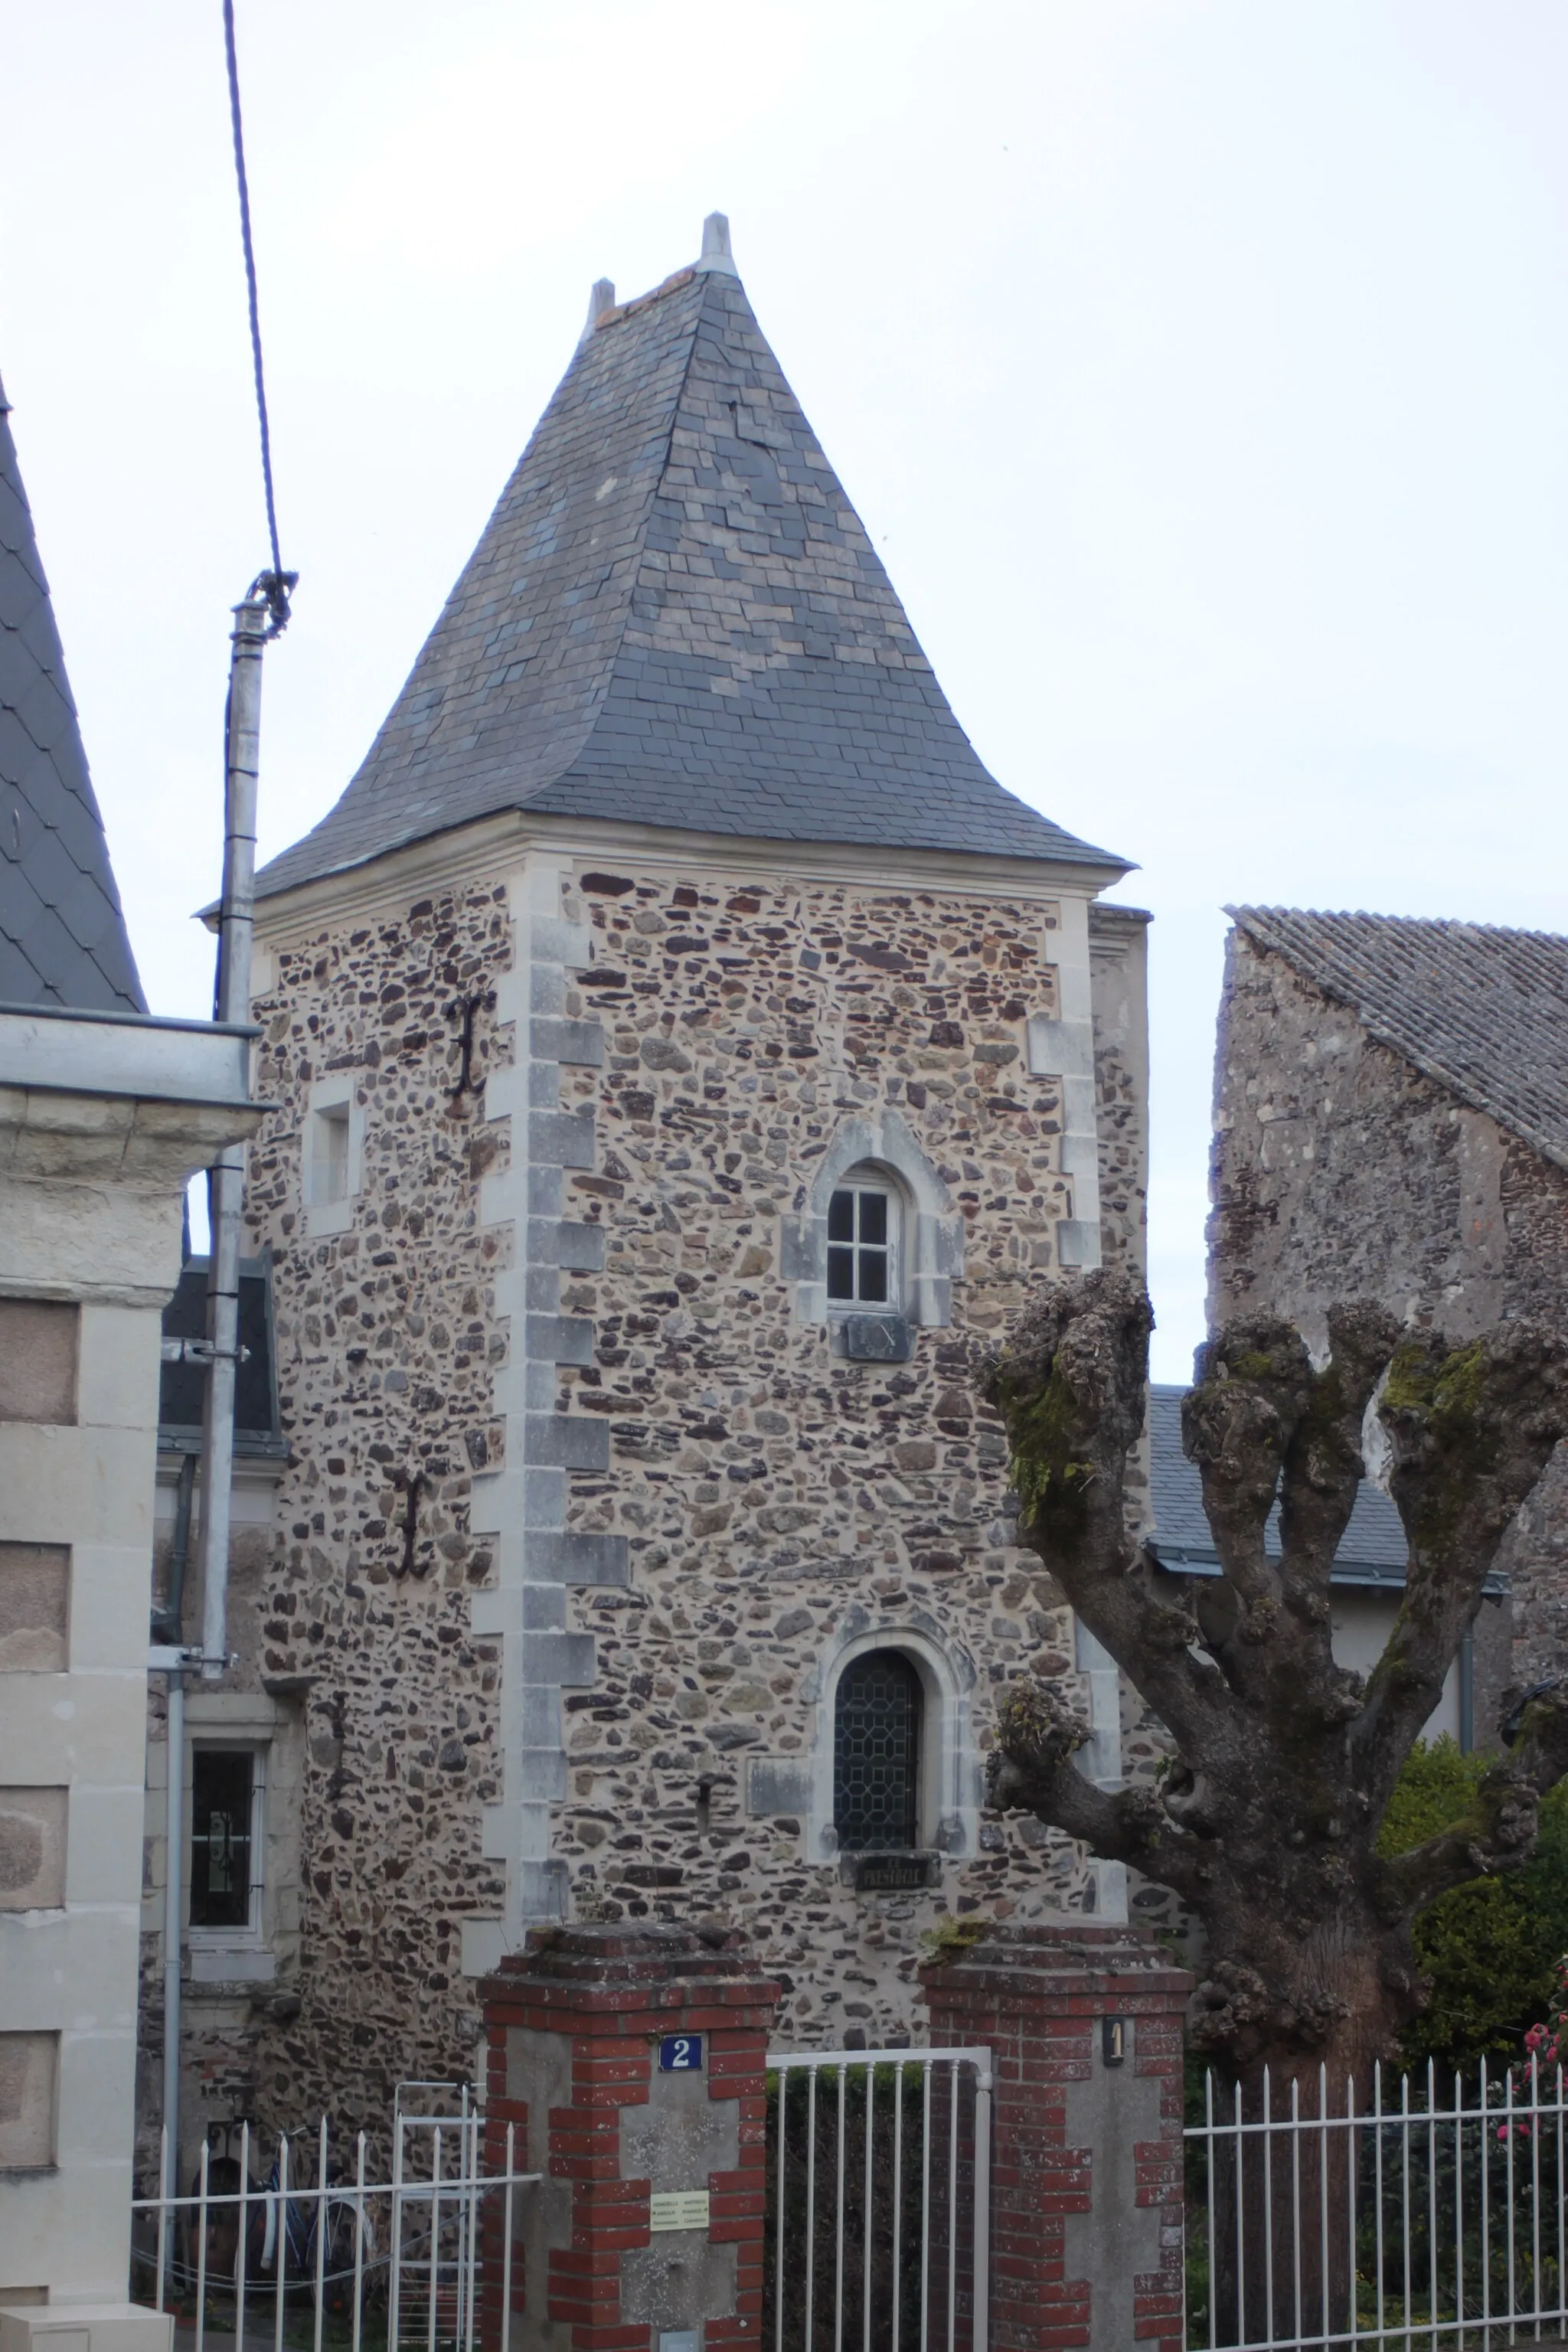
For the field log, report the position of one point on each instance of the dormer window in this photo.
(863, 1237)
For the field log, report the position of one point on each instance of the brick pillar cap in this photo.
(1063, 1952)
(622, 1957)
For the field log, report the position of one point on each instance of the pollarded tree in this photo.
(1265, 1822)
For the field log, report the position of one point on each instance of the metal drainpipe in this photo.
(169, 1623)
(226, 1181)
(173, 1873)
(1468, 1691)
(225, 1196)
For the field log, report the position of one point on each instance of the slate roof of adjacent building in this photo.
(63, 940)
(1482, 1011)
(1372, 1550)
(675, 617)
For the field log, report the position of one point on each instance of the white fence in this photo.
(1405, 2219)
(878, 2201)
(310, 2249)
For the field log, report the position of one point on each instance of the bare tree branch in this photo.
(1071, 1389)
(1262, 1426)
(1471, 1430)
(1323, 1466)
(1498, 1832)
(1032, 1770)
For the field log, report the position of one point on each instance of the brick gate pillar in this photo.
(1085, 2025)
(631, 2062)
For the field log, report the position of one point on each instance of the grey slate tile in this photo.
(664, 625)
(1482, 1011)
(62, 935)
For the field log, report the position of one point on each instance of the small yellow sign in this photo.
(678, 2208)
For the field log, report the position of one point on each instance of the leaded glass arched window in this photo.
(876, 1753)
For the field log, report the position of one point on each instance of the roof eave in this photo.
(598, 836)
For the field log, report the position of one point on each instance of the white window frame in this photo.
(861, 1179)
(331, 1172)
(251, 1937)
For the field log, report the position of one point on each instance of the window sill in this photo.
(867, 1336)
(324, 1217)
(225, 1964)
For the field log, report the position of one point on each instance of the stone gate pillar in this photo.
(631, 2061)
(1085, 2025)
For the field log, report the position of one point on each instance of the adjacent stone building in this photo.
(1391, 1122)
(104, 1114)
(681, 1053)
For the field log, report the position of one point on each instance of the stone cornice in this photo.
(56, 1136)
(491, 847)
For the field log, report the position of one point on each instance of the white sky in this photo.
(1199, 366)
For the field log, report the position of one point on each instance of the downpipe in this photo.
(225, 1179)
(258, 618)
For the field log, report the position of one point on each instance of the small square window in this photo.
(327, 1174)
(226, 1840)
(862, 1223)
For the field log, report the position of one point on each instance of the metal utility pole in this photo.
(225, 1178)
(261, 614)
(259, 617)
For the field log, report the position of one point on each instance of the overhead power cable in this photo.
(274, 585)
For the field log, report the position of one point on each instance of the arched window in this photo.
(865, 1238)
(876, 1755)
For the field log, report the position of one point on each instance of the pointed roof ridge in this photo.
(1480, 1008)
(63, 940)
(674, 617)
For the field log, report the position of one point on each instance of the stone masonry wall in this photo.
(1341, 1171)
(776, 1498)
(385, 1338)
(777, 1503)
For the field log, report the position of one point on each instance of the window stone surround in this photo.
(952, 1771)
(932, 1254)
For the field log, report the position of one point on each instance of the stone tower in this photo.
(683, 1053)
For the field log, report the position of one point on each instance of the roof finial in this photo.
(716, 254)
(601, 299)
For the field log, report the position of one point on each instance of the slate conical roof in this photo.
(675, 617)
(62, 936)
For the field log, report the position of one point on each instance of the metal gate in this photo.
(1403, 2215)
(437, 2165)
(295, 2243)
(878, 2201)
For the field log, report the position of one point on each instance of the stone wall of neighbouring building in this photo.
(583, 1512)
(1339, 1170)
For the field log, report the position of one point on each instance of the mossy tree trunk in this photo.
(1283, 1763)
(1265, 1822)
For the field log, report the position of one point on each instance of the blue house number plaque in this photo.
(681, 2054)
